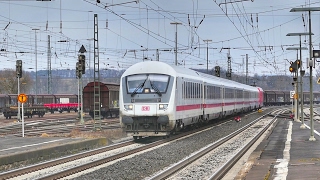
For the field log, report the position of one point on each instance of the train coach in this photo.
(109, 99)
(156, 99)
(281, 98)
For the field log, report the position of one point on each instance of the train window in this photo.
(182, 90)
(205, 91)
(188, 90)
(136, 83)
(160, 81)
(217, 93)
(198, 90)
(239, 93)
(200, 87)
(229, 93)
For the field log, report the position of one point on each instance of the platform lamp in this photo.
(311, 65)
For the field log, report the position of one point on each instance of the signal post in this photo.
(19, 75)
(80, 69)
(22, 98)
(294, 69)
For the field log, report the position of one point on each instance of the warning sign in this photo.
(22, 98)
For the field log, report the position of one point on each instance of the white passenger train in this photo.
(157, 99)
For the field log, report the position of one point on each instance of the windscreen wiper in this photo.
(155, 88)
(139, 87)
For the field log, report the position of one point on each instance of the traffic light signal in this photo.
(298, 63)
(217, 71)
(78, 70)
(293, 66)
(82, 62)
(19, 68)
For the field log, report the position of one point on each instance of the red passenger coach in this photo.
(109, 99)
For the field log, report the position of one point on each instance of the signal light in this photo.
(293, 66)
(217, 71)
(291, 69)
(78, 70)
(19, 68)
(82, 62)
(298, 63)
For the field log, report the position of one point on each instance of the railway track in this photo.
(27, 170)
(84, 166)
(209, 163)
(94, 162)
(54, 125)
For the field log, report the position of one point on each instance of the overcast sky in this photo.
(132, 31)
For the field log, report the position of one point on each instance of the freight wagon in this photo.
(109, 99)
(38, 104)
(40, 111)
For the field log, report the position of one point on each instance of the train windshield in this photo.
(156, 82)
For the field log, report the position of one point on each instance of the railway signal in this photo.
(217, 71)
(78, 70)
(293, 66)
(82, 63)
(19, 68)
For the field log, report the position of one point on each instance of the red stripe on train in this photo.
(198, 106)
(188, 107)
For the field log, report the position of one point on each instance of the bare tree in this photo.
(9, 82)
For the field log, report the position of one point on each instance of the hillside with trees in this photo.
(65, 81)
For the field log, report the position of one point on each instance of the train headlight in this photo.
(163, 106)
(128, 107)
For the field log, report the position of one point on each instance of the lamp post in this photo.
(311, 64)
(35, 52)
(207, 40)
(176, 48)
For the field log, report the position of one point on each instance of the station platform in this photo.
(287, 153)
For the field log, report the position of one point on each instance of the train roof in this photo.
(104, 84)
(179, 71)
(109, 86)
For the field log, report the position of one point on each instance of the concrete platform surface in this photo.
(288, 153)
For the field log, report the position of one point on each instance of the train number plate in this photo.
(145, 108)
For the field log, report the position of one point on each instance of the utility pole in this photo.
(35, 52)
(229, 70)
(96, 77)
(207, 41)
(49, 89)
(176, 48)
(247, 59)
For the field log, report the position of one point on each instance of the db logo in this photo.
(145, 108)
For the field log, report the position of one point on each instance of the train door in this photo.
(222, 101)
(178, 99)
(203, 99)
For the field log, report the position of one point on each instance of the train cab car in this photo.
(156, 99)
